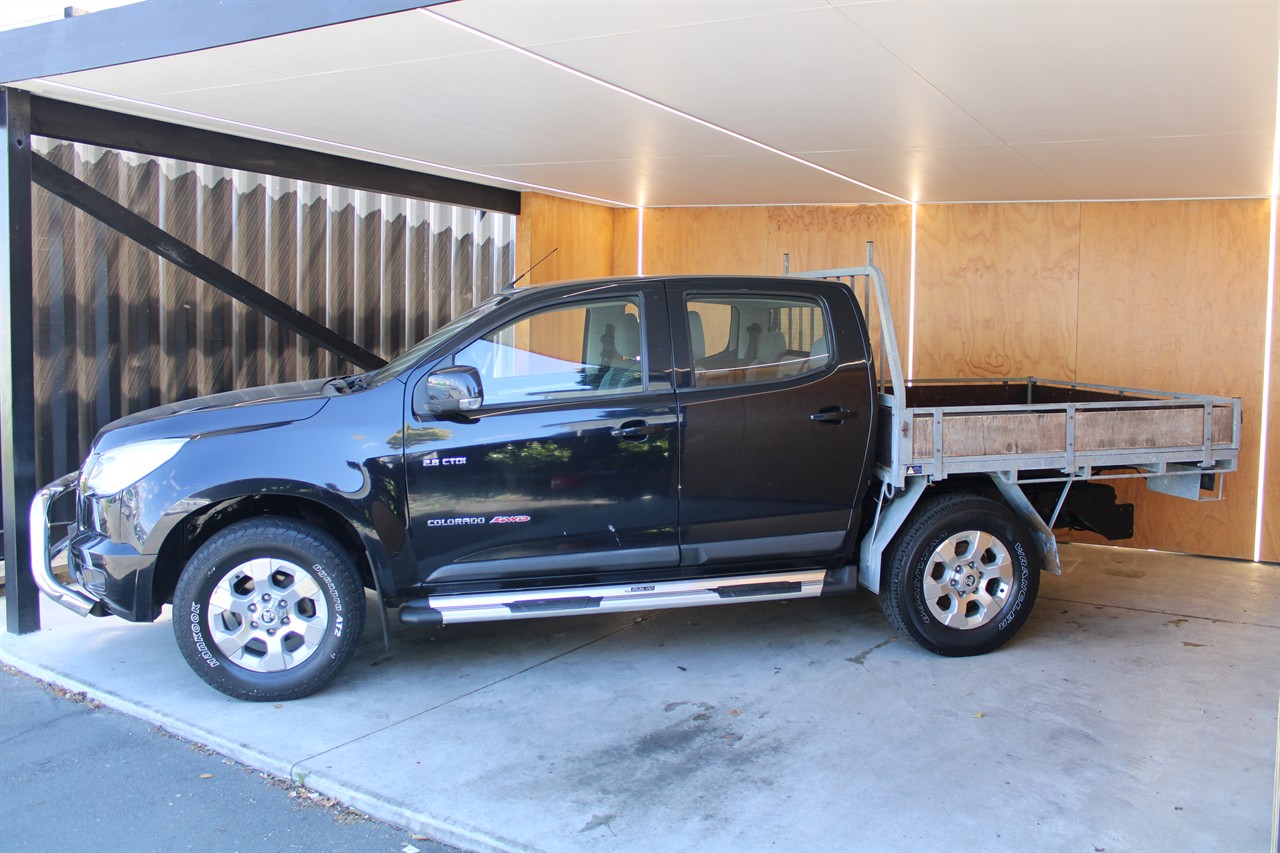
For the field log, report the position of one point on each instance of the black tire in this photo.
(298, 590)
(930, 580)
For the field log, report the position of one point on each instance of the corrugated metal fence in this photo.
(119, 330)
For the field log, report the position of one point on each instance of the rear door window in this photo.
(740, 339)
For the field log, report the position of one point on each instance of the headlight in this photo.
(122, 467)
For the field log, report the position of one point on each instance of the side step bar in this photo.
(564, 601)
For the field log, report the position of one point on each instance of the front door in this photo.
(567, 472)
(777, 421)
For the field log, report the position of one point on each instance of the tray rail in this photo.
(1153, 434)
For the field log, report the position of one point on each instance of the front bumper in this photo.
(42, 553)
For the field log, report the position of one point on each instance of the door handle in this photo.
(636, 430)
(832, 415)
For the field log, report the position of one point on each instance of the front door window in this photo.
(562, 353)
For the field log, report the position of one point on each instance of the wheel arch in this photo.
(894, 511)
(193, 530)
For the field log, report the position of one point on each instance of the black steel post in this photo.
(17, 361)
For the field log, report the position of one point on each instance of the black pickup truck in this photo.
(625, 444)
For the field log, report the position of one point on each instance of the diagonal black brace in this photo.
(75, 191)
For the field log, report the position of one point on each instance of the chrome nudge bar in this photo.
(42, 555)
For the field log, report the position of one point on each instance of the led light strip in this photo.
(911, 309)
(216, 120)
(1270, 335)
(640, 241)
(656, 104)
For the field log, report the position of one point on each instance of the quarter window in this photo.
(582, 350)
(744, 339)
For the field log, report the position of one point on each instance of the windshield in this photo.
(416, 352)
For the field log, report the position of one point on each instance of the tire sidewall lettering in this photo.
(197, 637)
(333, 596)
(922, 567)
(1024, 579)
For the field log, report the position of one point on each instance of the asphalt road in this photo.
(77, 776)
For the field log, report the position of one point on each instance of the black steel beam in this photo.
(75, 191)
(78, 123)
(17, 362)
(167, 27)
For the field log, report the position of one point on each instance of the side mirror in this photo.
(449, 391)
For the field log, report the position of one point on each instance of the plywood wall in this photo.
(723, 240)
(1161, 295)
(996, 290)
(1173, 296)
(580, 233)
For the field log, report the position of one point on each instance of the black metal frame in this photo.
(22, 116)
(17, 363)
(167, 27)
(78, 123)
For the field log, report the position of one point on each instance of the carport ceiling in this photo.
(707, 102)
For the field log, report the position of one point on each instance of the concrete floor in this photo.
(1137, 710)
(159, 793)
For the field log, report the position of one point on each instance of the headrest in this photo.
(626, 338)
(772, 346)
(697, 338)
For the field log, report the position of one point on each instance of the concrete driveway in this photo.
(1136, 710)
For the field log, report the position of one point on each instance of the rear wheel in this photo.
(962, 575)
(269, 609)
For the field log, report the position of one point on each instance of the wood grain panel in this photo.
(830, 237)
(1124, 428)
(625, 245)
(581, 233)
(999, 435)
(1271, 499)
(996, 288)
(991, 435)
(713, 240)
(1172, 296)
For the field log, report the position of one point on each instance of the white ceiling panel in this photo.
(554, 21)
(1057, 71)
(801, 81)
(370, 43)
(948, 174)
(501, 97)
(1176, 167)
(935, 100)
(690, 181)
(157, 77)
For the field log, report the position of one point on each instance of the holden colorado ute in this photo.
(622, 444)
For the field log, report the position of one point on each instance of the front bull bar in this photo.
(42, 555)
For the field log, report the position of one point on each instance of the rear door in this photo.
(777, 418)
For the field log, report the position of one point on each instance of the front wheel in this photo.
(269, 609)
(962, 575)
